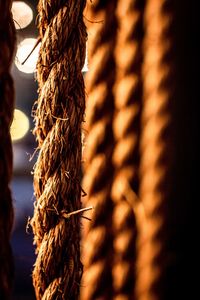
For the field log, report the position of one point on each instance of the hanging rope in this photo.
(156, 151)
(7, 48)
(126, 133)
(58, 121)
(97, 238)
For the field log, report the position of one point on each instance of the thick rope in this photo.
(58, 118)
(156, 151)
(125, 158)
(7, 47)
(97, 238)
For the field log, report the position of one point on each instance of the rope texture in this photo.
(127, 91)
(156, 150)
(97, 235)
(7, 48)
(58, 121)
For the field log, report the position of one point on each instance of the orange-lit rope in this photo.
(7, 47)
(58, 117)
(97, 241)
(156, 148)
(126, 133)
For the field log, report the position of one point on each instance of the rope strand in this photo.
(126, 127)
(156, 150)
(97, 238)
(58, 121)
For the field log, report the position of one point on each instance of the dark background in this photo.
(22, 187)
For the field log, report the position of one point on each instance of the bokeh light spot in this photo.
(23, 50)
(20, 125)
(22, 14)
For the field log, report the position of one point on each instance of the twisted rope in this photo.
(58, 121)
(125, 158)
(97, 238)
(156, 151)
(7, 47)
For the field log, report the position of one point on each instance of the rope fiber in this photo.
(58, 121)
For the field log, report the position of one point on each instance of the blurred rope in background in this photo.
(126, 130)
(152, 61)
(99, 144)
(156, 148)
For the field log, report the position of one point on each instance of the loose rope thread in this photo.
(7, 49)
(97, 238)
(126, 128)
(156, 150)
(58, 121)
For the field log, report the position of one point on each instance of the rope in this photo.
(7, 48)
(97, 235)
(58, 121)
(156, 151)
(125, 158)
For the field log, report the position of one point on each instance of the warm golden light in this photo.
(85, 67)
(23, 50)
(20, 125)
(22, 14)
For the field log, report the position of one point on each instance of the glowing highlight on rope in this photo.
(23, 50)
(20, 125)
(22, 14)
(85, 67)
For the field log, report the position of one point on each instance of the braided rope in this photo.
(97, 239)
(58, 121)
(126, 133)
(7, 47)
(156, 151)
